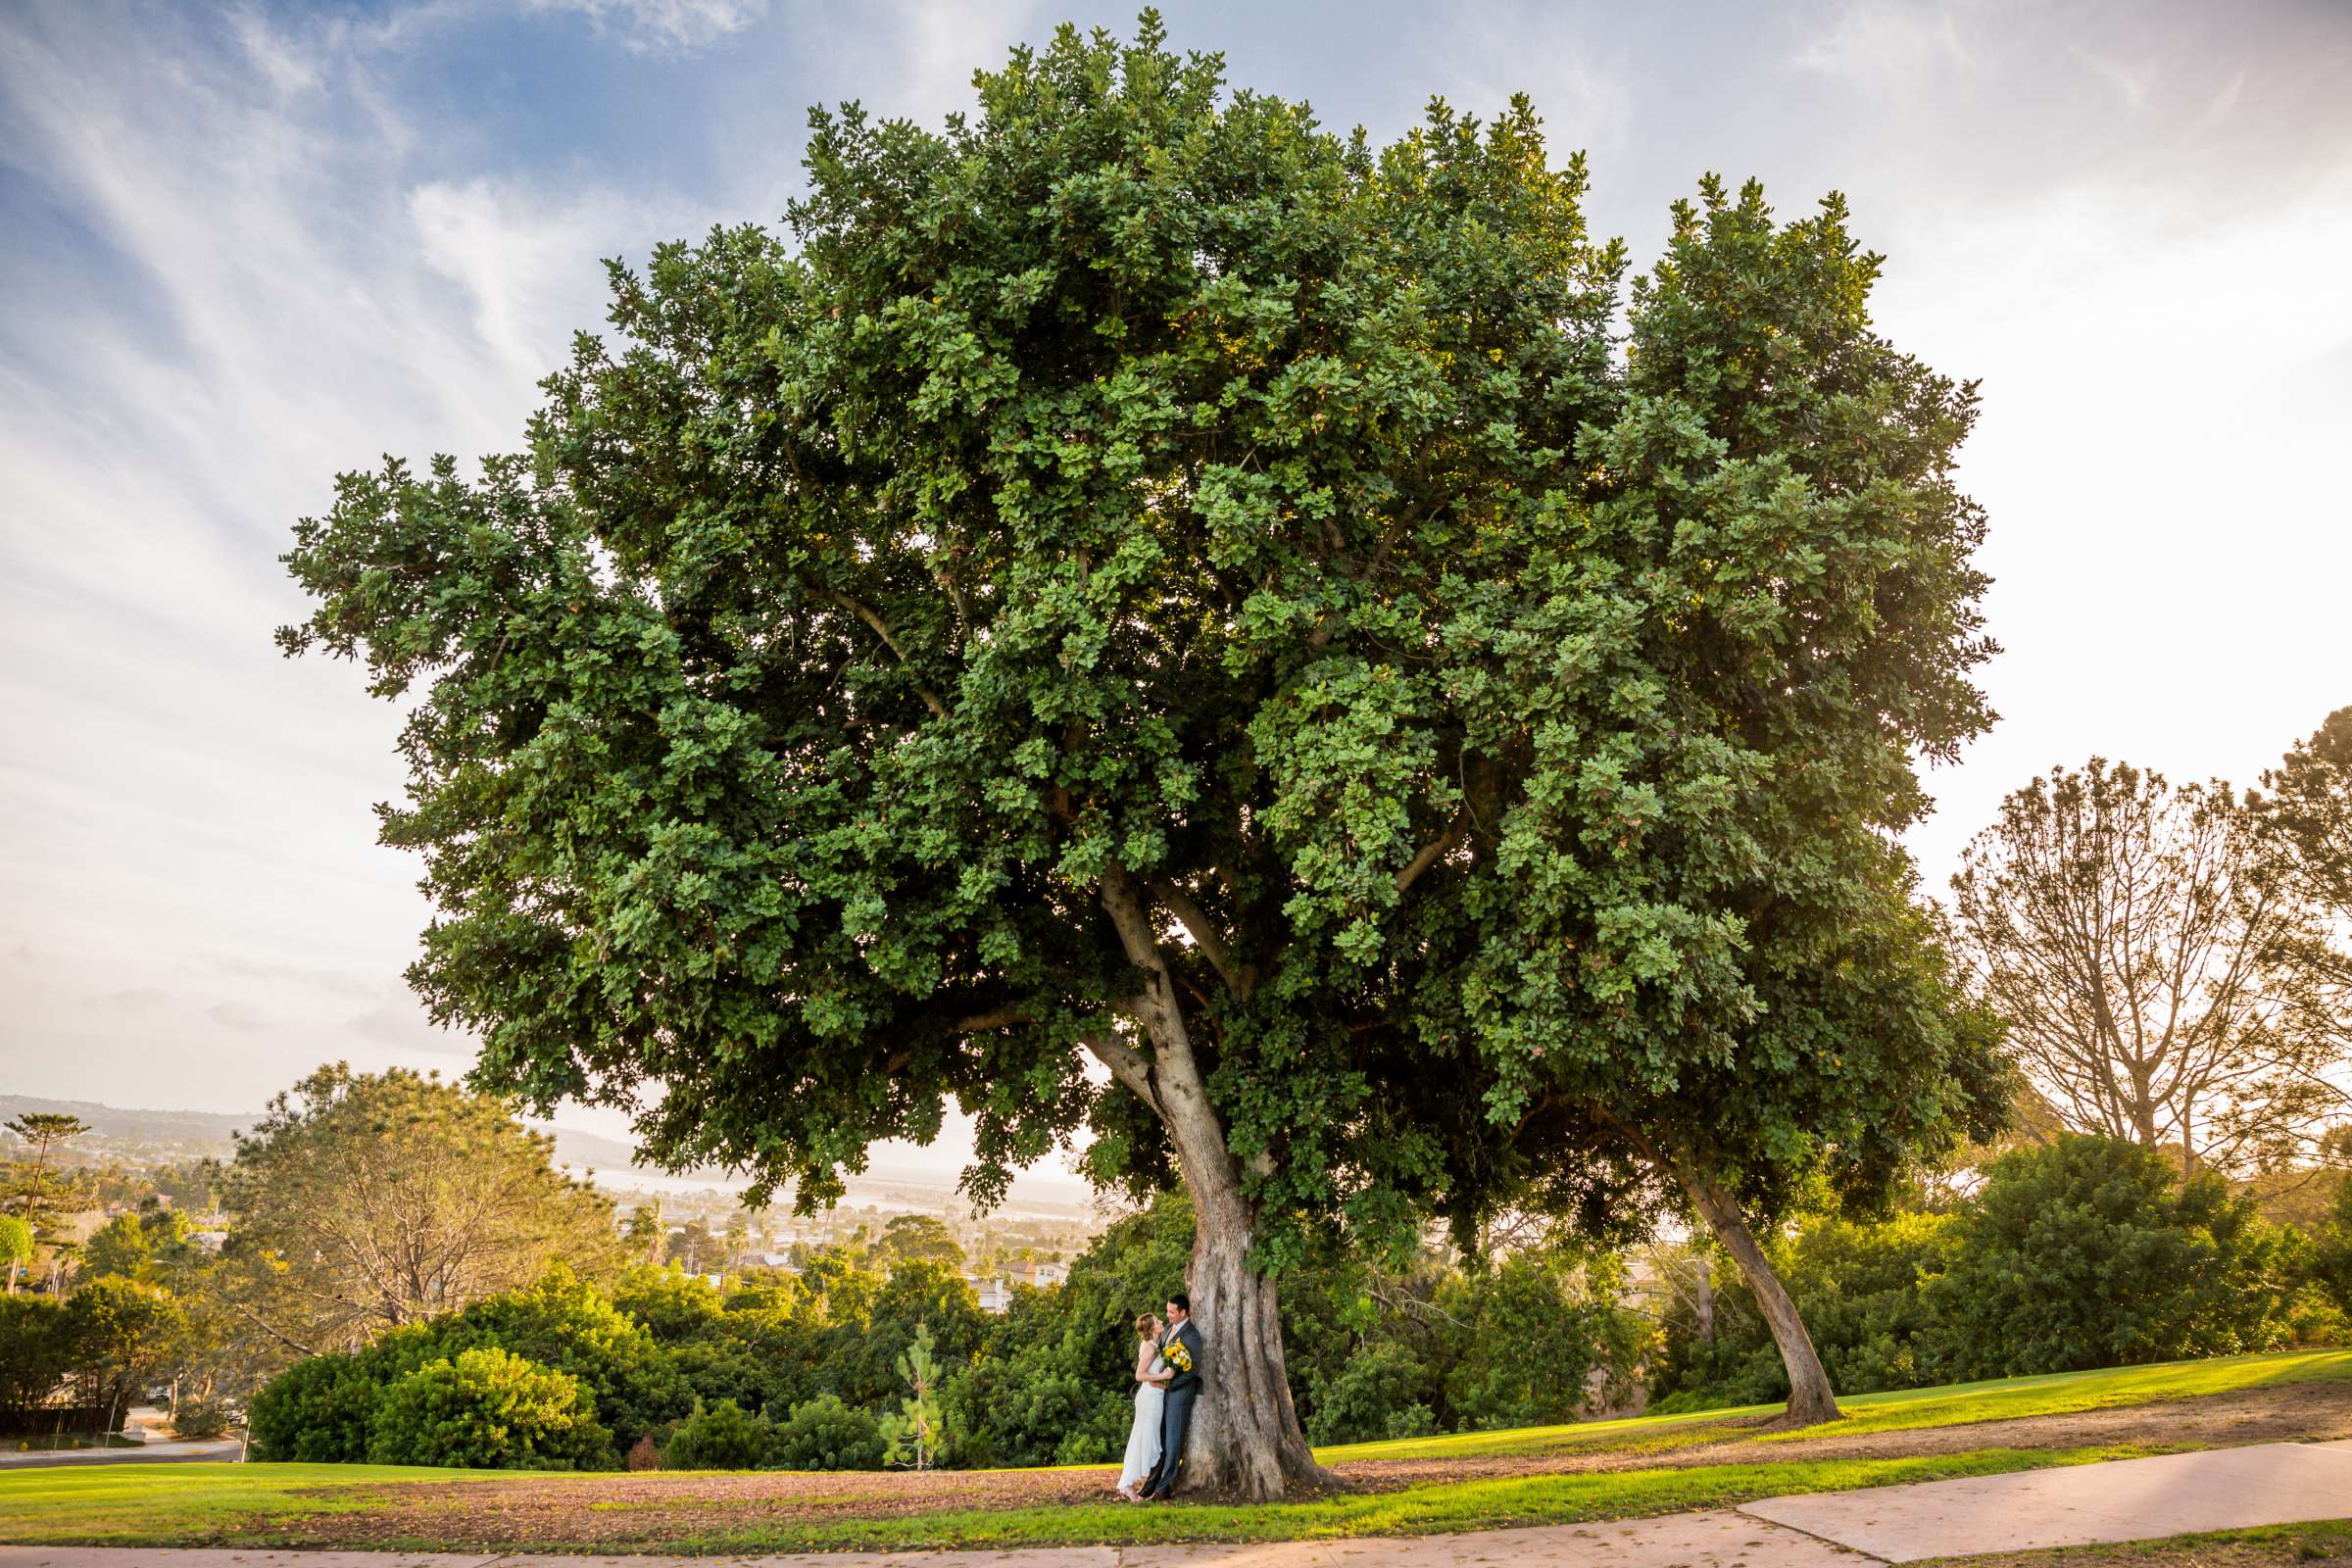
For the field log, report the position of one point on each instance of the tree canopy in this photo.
(365, 1201)
(1138, 580)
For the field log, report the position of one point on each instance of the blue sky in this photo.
(248, 246)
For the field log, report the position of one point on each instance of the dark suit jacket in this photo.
(1190, 1337)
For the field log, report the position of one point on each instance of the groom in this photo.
(1176, 1415)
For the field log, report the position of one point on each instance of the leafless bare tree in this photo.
(2143, 949)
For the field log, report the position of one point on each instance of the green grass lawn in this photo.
(1952, 1405)
(156, 1503)
(258, 1503)
(262, 1504)
(1484, 1504)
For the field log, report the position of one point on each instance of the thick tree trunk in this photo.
(1246, 1440)
(1811, 1399)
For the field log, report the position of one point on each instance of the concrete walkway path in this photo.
(2125, 1500)
(2078, 1505)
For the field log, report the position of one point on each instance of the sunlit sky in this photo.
(244, 248)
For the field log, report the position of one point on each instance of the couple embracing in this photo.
(1167, 1380)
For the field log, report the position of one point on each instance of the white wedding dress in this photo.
(1143, 1439)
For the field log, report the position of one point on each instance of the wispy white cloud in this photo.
(302, 284)
(1579, 79)
(662, 26)
(237, 1013)
(2131, 83)
(521, 255)
(1889, 45)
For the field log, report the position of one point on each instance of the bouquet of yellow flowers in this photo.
(1176, 1355)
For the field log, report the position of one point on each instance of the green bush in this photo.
(2329, 1262)
(1688, 1402)
(564, 1323)
(1859, 1289)
(199, 1419)
(1413, 1421)
(721, 1437)
(315, 1412)
(1363, 1397)
(489, 1409)
(2090, 1252)
(1520, 1340)
(824, 1433)
(39, 1348)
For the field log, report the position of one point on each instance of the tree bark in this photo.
(1246, 1440)
(1811, 1399)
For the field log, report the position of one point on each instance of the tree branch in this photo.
(1126, 1064)
(1206, 937)
(1434, 850)
(939, 709)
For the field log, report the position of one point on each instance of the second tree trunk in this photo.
(1811, 1399)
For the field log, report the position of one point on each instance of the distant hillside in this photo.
(196, 1134)
(170, 1136)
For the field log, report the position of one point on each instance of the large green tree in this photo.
(1696, 964)
(38, 1191)
(1149, 616)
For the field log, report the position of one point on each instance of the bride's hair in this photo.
(1146, 1326)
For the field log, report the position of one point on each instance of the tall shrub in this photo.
(2092, 1252)
(488, 1410)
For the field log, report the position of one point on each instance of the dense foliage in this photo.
(487, 1409)
(99, 1347)
(779, 1369)
(825, 1434)
(1857, 1285)
(2082, 1253)
(2096, 1253)
(721, 1437)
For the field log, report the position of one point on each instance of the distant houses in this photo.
(995, 1292)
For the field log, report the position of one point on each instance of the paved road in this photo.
(151, 1452)
(2126, 1500)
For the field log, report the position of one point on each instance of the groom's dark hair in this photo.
(1181, 1303)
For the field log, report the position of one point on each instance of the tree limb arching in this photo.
(1434, 850)
(1238, 977)
(939, 709)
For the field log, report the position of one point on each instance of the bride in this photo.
(1151, 1394)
